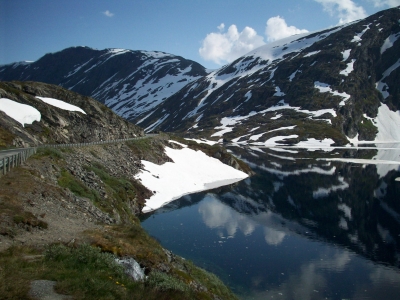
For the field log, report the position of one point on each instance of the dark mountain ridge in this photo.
(129, 82)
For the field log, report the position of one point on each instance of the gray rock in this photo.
(132, 268)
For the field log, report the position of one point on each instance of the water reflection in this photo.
(216, 214)
(301, 228)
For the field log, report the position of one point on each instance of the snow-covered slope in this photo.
(132, 83)
(327, 85)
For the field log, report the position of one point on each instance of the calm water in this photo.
(301, 228)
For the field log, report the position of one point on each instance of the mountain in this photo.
(132, 83)
(328, 87)
(332, 84)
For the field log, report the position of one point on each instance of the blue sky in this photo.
(209, 32)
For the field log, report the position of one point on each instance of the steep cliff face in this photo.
(59, 125)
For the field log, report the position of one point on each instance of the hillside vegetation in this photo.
(67, 213)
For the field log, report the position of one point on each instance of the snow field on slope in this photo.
(388, 43)
(388, 123)
(61, 104)
(227, 122)
(192, 171)
(382, 86)
(349, 69)
(22, 113)
(325, 88)
(152, 90)
(269, 52)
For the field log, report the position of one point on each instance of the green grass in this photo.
(84, 272)
(48, 151)
(122, 191)
(67, 180)
(367, 127)
(165, 282)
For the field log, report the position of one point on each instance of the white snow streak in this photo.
(61, 104)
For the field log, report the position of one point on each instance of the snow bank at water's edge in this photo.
(191, 171)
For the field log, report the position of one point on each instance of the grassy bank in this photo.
(85, 267)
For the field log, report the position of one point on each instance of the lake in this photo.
(320, 224)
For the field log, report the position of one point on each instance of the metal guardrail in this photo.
(13, 160)
(22, 154)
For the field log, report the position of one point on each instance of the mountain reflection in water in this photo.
(303, 227)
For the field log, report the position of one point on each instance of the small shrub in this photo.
(85, 256)
(68, 181)
(164, 282)
(48, 151)
(28, 218)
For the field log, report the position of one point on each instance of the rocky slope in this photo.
(83, 195)
(59, 125)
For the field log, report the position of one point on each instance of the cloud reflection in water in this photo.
(216, 214)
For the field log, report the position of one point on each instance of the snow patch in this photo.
(346, 54)
(382, 86)
(291, 77)
(278, 91)
(388, 43)
(325, 88)
(357, 37)
(312, 53)
(312, 144)
(349, 69)
(282, 128)
(388, 123)
(203, 141)
(192, 171)
(324, 192)
(22, 113)
(61, 104)
(274, 140)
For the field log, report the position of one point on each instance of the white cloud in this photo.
(108, 13)
(389, 3)
(346, 10)
(278, 29)
(221, 47)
